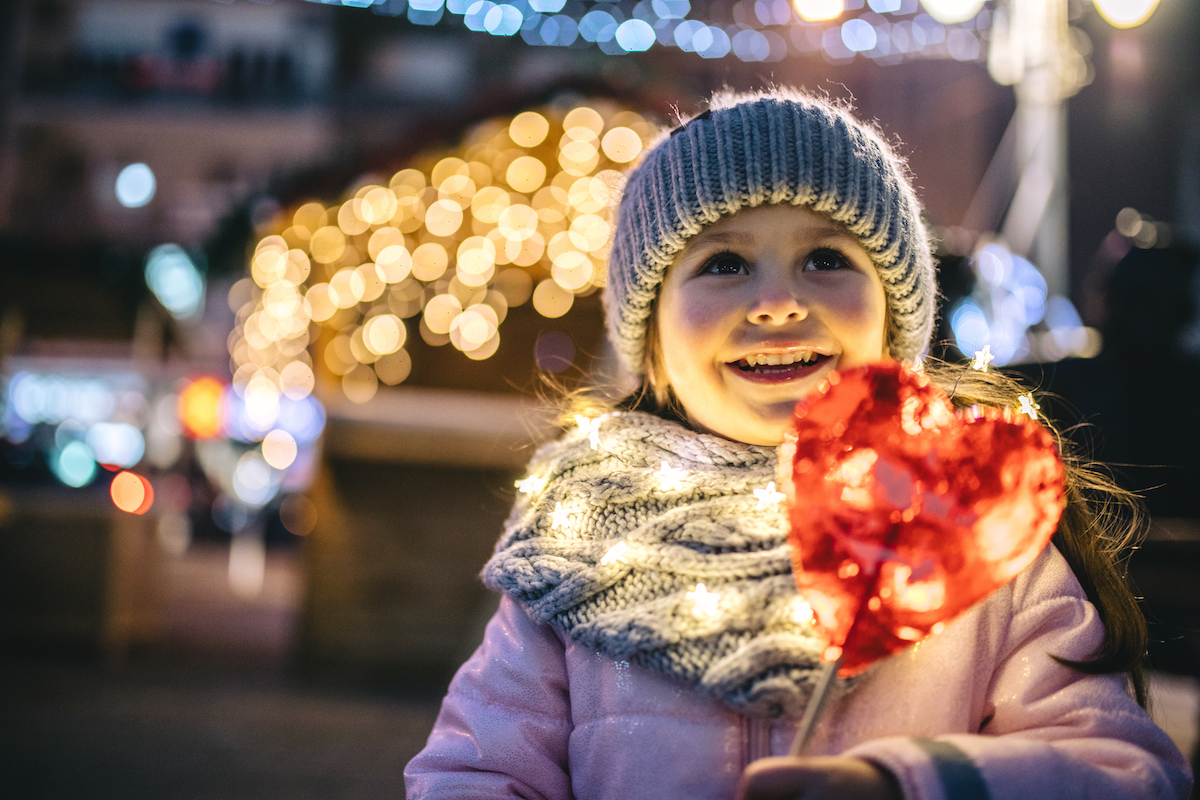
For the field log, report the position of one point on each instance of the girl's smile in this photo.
(756, 309)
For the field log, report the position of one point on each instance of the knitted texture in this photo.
(778, 147)
(618, 523)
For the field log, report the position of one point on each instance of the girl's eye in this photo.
(824, 259)
(725, 264)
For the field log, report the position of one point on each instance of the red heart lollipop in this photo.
(904, 514)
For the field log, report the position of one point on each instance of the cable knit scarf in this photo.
(667, 548)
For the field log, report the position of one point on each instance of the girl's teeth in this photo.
(780, 359)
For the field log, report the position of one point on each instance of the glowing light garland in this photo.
(886, 31)
(447, 246)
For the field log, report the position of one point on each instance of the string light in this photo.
(704, 602)
(982, 359)
(768, 496)
(518, 210)
(615, 554)
(590, 428)
(1028, 407)
(761, 30)
(669, 478)
(531, 485)
(560, 518)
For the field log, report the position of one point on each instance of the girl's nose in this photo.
(776, 303)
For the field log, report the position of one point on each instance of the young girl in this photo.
(646, 645)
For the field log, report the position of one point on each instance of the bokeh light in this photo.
(176, 282)
(201, 408)
(948, 12)
(819, 10)
(135, 185)
(279, 449)
(448, 245)
(1126, 13)
(74, 464)
(132, 493)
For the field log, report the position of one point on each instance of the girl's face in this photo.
(754, 312)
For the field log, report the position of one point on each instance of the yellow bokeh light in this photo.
(320, 301)
(271, 243)
(515, 286)
(358, 348)
(551, 300)
(268, 267)
(485, 350)
(279, 449)
(470, 329)
(382, 238)
(528, 129)
(360, 384)
(1126, 13)
(407, 182)
(440, 312)
(429, 261)
(458, 189)
(345, 288)
(572, 271)
(373, 284)
(447, 167)
(518, 222)
(526, 174)
(350, 217)
(621, 145)
(394, 263)
(443, 218)
(327, 244)
(476, 256)
(819, 10)
(297, 268)
(488, 203)
(589, 232)
(394, 367)
(578, 158)
(384, 334)
(311, 216)
(586, 118)
(378, 206)
(298, 380)
(339, 358)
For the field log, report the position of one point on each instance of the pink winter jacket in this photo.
(980, 710)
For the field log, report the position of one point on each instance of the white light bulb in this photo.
(1126, 13)
(949, 12)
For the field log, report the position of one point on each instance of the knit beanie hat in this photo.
(773, 147)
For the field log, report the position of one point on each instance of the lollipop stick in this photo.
(815, 703)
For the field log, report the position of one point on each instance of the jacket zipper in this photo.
(756, 739)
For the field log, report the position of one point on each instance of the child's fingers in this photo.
(824, 778)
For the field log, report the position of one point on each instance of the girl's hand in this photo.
(824, 778)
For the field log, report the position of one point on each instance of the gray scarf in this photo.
(668, 548)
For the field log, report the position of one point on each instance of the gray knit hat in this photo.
(778, 146)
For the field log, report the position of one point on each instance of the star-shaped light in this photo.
(704, 600)
(769, 496)
(560, 517)
(615, 553)
(983, 358)
(802, 612)
(531, 485)
(589, 427)
(669, 478)
(1028, 407)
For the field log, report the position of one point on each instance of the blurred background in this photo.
(279, 282)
